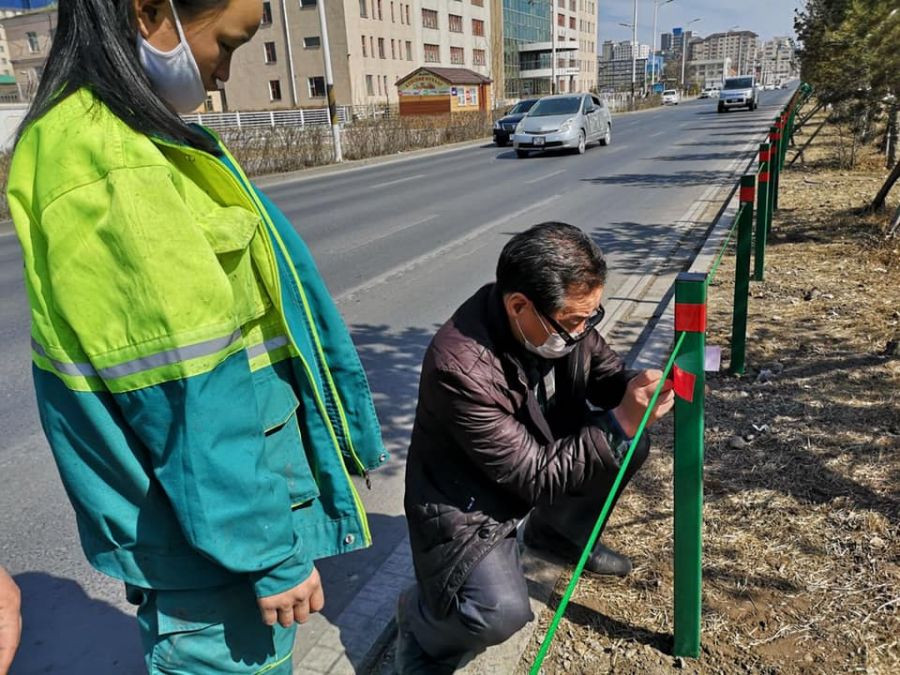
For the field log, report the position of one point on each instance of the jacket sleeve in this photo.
(508, 453)
(136, 283)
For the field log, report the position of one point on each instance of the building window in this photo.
(385, 85)
(561, 20)
(316, 86)
(478, 3)
(561, 3)
(33, 45)
(380, 15)
(572, 22)
(407, 14)
(432, 53)
(379, 84)
(393, 19)
(271, 55)
(457, 56)
(478, 27)
(408, 50)
(380, 48)
(393, 50)
(370, 85)
(365, 52)
(307, 3)
(478, 57)
(372, 46)
(266, 14)
(274, 90)
(363, 11)
(456, 23)
(573, 6)
(429, 18)
(312, 42)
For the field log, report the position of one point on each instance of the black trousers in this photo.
(492, 604)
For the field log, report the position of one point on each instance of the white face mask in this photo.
(554, 346)
(173, 74)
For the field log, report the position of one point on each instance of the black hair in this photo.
(94, 47)
(547, 261)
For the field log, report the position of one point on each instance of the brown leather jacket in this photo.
(483, 453)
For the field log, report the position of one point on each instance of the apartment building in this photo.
(373, 44)
(28, 40)
(739, 46)
(575, 23)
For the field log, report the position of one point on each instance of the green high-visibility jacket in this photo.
(199, 390)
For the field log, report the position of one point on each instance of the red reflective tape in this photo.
(763, 155)
(690, 318)
(763, 176)
(775, 136)
(684, 384)
(747, 193)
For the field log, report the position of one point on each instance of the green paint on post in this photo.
(774, 149)
(742, 276)
(762, 212)
(690, 289)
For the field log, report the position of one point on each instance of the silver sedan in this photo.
(568, 121)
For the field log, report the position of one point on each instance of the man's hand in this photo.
(295, 604)
(638, 393)
(10, 620)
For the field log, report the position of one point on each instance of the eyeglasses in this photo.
(590, 323)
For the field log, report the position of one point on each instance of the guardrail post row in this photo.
(690, 384)
(742, 275)
(775, 169)
(762, 212)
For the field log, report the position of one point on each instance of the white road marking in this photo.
(395, 182)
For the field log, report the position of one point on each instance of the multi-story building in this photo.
(739, 46)
(373, 44)
(671, 43)
(624, 50)
(709, 72)
(777, 60)
(615, 75)
(28, 38)
(607, 50)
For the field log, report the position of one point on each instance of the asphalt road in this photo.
(400, 246)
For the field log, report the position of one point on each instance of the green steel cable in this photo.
(715, 267)
(607, 505)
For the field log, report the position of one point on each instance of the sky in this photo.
(767, 18)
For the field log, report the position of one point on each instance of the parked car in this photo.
(564, 121)
(738, 92)
(709, 92)
(671, 97)
(506, 126)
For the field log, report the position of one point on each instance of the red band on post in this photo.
(684, 384)
(690, 318)
(763, 155)
(747, 193)
(763, 176)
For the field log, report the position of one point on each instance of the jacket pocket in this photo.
(285, 454)
(230, 231)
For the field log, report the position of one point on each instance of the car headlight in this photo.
(520, 127)
(566, 126)
(497, 124)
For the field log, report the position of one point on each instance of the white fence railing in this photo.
(284, 118)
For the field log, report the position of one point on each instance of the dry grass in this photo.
(801, 551)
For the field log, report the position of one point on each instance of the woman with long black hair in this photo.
(200, 393)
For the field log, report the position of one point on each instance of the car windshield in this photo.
(522, 107)
(739, 83)
(547, 107)
(669, 92)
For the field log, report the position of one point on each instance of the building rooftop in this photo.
(451, 75)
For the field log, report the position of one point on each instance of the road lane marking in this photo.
(385, 234)
(399, 180)
(544, 177)
(410, 265)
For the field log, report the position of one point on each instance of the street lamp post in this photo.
(634, 50)
(684, 47)
(656, 6)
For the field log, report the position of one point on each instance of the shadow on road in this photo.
(680, 179)
(66, 631)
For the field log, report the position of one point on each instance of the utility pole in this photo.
(654, 77)
(290, 53)
(684, 47)
(552, 48)
(329, 84)
(634, 45)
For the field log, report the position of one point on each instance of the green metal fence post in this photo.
(774, 151)
(762, 213)
(690, 317)
(742, 276)
(785, 140)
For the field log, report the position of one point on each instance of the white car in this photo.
(671, 97)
